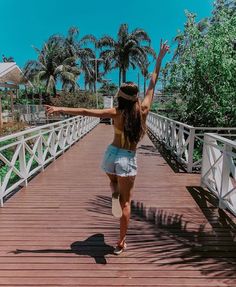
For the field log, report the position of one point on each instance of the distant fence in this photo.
(29, 109)
(219, 169)
(184, 141)
(25, 153)
(35, 114)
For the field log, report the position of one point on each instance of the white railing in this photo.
(219, 169)
(184, 141)
(25, 153)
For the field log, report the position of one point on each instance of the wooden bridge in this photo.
(59, 231)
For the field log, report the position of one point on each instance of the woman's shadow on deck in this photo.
(94, 246)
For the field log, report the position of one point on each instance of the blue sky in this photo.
(30, 22)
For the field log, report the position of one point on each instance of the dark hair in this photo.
(134, 127)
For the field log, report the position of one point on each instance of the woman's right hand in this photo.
(51, 109)
(164, 48)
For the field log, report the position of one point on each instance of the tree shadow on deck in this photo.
(160, 149)
(210, 247)
(94, 246)
(183, 240)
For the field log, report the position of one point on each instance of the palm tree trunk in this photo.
(94, 86)
(138, 82)
(40, 98)
(144, 85)
(123, 75)
(119, 76)
(54, 90)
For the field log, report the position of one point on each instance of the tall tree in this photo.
(203, 69)
(62, 59)
(52, 65)
(130, 49)
(84, 54)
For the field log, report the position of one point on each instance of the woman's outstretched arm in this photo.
(100, 113)
(146, 104)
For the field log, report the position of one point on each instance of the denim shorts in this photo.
(119, 161)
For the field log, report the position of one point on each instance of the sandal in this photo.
(119, 249)
(116, 208)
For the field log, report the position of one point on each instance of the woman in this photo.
(120, 157)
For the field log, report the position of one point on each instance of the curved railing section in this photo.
(219, 169)
(25, 153)
(184, 141)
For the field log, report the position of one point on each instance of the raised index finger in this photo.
(161, 43)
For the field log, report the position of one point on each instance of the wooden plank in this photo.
(122, 281)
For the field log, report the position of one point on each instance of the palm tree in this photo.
(62, 59)
(76, 48)
(53, 65)
(94, 74)
(128, 50)
(83, 54)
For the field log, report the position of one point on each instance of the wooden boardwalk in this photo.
(59, 231)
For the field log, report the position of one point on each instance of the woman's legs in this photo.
(116, 207)
(125, 187)
(113, 184)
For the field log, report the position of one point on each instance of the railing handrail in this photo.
(174, 121)
(216, 128)
(223, 139)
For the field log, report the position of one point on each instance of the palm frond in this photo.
(148, 50)
(67, 76)
(86, 39)
(73, 32)
(123, 31)
(50, 84)
(40, 76)
(106, 41)
(140, 35)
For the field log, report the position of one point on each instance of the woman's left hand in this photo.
(164, 48)
(52, 109)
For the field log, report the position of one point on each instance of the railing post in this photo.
(1, 193)
(205, 162)
(40, 150)
(191, 149)
(22, 160)
(173, 135)
(52, 143)
(225, 175)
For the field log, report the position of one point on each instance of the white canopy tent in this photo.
(11, 77)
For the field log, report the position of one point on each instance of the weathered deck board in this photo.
(59, 230)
